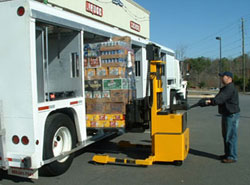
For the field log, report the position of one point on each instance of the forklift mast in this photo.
(139, 111)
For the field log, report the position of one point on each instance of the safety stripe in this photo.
(43, 108)
(75, 102)
(46, 107)
(15, 160)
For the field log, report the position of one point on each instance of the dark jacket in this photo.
(227, 100)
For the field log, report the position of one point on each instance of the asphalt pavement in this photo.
(202, 167)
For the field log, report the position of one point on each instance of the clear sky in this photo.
(194, 24)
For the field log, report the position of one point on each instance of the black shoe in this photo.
(222, 157)
(228, 161)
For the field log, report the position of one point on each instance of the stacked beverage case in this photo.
(109, 82)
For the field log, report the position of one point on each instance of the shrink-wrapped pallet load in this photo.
(109, 82)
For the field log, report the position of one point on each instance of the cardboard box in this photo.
(114, 71)
(121, 95)
(89, 117)
(116, 108)
(86, 73)
(91, 73)
(106, 94)
(100, 124)
(96, 124)
(113, 124)
(98, 108)
(97, 117)
(94, 62)
(115, 64)
(117, 117)
(94, 117)
(107, 124)
(86, 64)
(112, 84)
(98, 100)
(102, 71)
(126, 83)
(88, 101)
(93, 85)
(88, 94)
(123, 39)
(117, 71)
(103, 123)
(93, 124)
(121, 124)
(117, 124)
(88, 123)
(117, 83)
(105, 120)
(107, 49)
(112, 48)
(114, 56)
(97, 94)
(102, 117)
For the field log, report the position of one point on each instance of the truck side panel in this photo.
(14, 77)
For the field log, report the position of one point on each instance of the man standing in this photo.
(228, 104)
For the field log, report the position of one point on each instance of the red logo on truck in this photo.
(135, 26)
(94, 9)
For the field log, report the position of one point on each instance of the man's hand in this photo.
(208, 102)
(202, 103)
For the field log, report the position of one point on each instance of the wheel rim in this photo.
(62, 142)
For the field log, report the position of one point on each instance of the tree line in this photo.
(203, 72)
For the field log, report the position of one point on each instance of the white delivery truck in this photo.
(42, 101)
(173, 83)
(176, 85)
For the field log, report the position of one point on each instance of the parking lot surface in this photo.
(202, 167)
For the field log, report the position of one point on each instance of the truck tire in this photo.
(60, 136)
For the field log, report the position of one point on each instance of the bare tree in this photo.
(180, 51)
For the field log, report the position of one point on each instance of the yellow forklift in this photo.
(169, 132)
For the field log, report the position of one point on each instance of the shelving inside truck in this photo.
(58, 51)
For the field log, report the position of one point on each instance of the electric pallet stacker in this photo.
(169, 132)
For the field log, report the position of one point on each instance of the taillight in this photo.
(25, 140)
(52, 96)
(15, 139)
(20, 11)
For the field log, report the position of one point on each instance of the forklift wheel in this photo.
(178, 163)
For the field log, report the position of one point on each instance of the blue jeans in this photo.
(230, 135)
